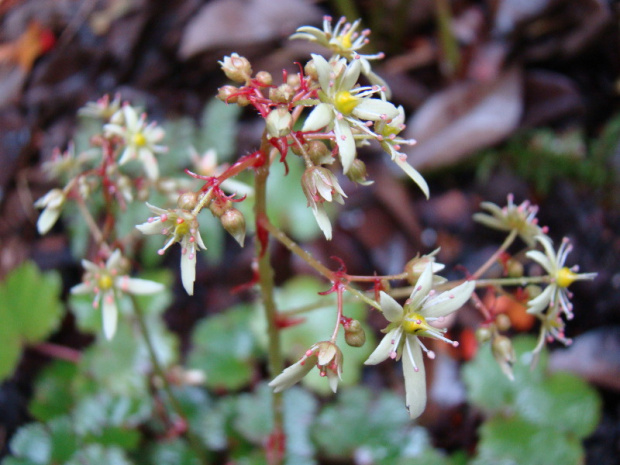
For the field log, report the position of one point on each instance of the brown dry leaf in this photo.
(464, 118)
(34, 42)
(237, 22)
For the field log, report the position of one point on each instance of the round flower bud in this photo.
(243, 100)
(310, 70)
(318, 152)
(357, 172)
(504, 354)
(187, 200)
(533, 291)
(281, 94)
(514, 268)
(219, 206)
(293, 80)
(264, 78)
(502, 321)
(227, 94)
(483, 334)
(354, 334)
(234, 222)
(236, 68)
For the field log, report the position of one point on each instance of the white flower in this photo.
(325, 355)
(520, 218)
(556, 294)
(52, 204)
(182, 227)
(105, 281)
(344, 40)
(388, 130)
(320, 185)
(549, 305)
(140, 139)
(408, 323)
(103, 108)
(344, 106)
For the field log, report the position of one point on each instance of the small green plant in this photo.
(128, 398)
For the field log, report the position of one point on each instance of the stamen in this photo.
(415, 367)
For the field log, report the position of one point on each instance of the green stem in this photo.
(493, 258)
(266, 283)
(194, 441)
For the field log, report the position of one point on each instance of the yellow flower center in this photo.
(139, 139)
(105, 282)
(345, 103)
(182, 228)
(414, 323)
(565, 277)
(345, 40)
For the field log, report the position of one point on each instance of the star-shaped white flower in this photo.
(325, 355)
(106, 281)
(181, 226)
(408, 324)
(52, 204)
(344, 106)
(320, 185)
(140, 139)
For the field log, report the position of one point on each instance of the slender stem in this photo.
(266, 283)
(194, 442)
(339, 317)
(314, 263)
(57, 351)
(90, 222)
(502, 248)
(375, 278)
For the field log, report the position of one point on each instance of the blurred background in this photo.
(503, 96)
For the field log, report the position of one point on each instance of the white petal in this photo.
(47, 219)
(323, 69)
(292, 374)
(323, 221)
(82, 288)
(131, 117)
(422, 287)
(350, 76)
(374, 109)
(413, 174)
(415, 381)
(346, 143)
(188, 271)
(542, 260)
(392, 310)
(199, 241)
(325, 356)
(114, 260)
(150, 163)
(542, 301)
(138, 286)
(109, 314)
(489, 221)
(333, 379)
(152, 227)
(449, 301)
(383, 350)
(128, 154)
(318, 118)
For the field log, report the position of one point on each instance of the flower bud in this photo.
(514, 268)
(319, 153)
(264, 78)
(502, 321)
(504, 354)
(310, 70)
(357, 172)
(533, 291)
(281, 94)
(234, 222)
(483, 334)
(236, 68)
(293, 80)
(219, 206)
(228, 94)
(279, 122)
(188, 201)
(354, 334)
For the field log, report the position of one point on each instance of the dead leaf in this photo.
(230, 23)
(35, 41)
(464, 118)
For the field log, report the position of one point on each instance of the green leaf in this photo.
(254, 418)
(53, 396)
(32, 442)
(63, 437)
(563, 402)
(175, 452)
(96, 413)
(31, 300)
(516, 441)
(219, 128)
(300, 409)
(223, 347)
(489, 389)
(98, 454)
(11, 345)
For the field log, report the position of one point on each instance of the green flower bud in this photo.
(504, 354)
(234, 222)
(282, 94)
(219, 206)
(310, 70)
(514, 268)
(354, 334)
(357, 172)
(483, 334)
(279, 122)
(319, 153)
(503, 322)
